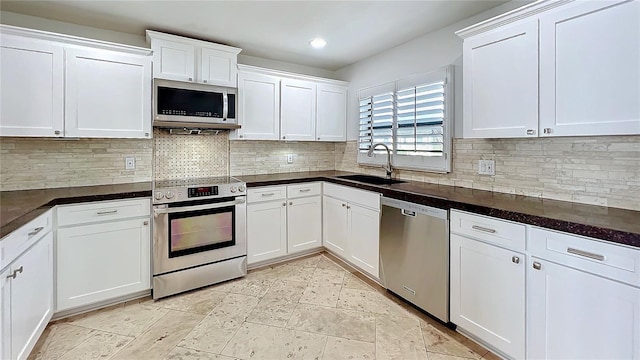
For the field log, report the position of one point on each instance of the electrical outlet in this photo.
(486, 167)
(129, 163)
(290, 159)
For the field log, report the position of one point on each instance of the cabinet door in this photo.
(298, 109)
(335, 226)
(31, 296)
(108, 94)
(576, 315)
(364, 238)
(501, 83)
(173, 60)
(488, 293)
(5, 311)
(258, 107)
(218, 67)
(32, 81)
(590, 69)
(102, 261)
(266, 231)
(332, 113)
(304, 224)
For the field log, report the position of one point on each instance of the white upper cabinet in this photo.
(107, 94)
(184, 59)
(258, 107)
(575, 61)
(298, 109)
(500, 79)
(31, 100)
(275, 105)
(590, 69)
(173, 60)
(331, 117)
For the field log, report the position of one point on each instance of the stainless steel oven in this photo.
(199, 234)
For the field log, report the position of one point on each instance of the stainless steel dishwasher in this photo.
(414, 255)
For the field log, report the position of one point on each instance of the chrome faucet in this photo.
(388, 167)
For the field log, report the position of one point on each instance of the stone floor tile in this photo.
(327, 276)
(288, 272)
(339, 349)
(180, 353)
(439, 341)
(60, 339)
(161, 337)
(255, 341)
(399, 338)
(287, 289)
(275, 311)
(200, 301)
(217, 328)
(370, 301)
(323, 294)
(311, 262)
(334, 322)
(325, 263)
(353, 282)
(129, 321)
(437, 356)
(100, 345)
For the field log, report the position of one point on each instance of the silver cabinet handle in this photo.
(268, 194)
(546, 131)
(15, 273)
(290, 202)
(537, 265)
(305, 190)
(145, 223)
(480, 228)
(515, 260)
(190, 79)
(18, 270)
(107, 212)
(284, 204)
(35, 231)
(57, 132)
(204, 81)
(284, 137)
(318, 138)
(348, 207)
(343, 205)
(585, 254)
(531, 132)
(12, 276)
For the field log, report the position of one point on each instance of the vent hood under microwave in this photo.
(179, 104)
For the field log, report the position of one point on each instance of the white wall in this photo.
(426, 53)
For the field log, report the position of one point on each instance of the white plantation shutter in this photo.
(413, 118)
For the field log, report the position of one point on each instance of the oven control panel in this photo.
(202, 191)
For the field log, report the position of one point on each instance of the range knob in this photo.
(233, 189)
(241, 188)
(158, 195)
(169, 195)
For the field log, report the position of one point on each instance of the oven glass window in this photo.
(184, 102)
(196, 231)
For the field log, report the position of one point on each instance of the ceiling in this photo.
(277, 30)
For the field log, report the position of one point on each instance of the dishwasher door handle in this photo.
(408, 212)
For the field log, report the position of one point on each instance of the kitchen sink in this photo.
(370, 179)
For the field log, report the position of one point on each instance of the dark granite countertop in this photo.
(19, 207)
(600, 222)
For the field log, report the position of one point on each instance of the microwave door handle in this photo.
(225, 105)
(198, 207)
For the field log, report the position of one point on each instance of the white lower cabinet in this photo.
(27, 299)
(576, 315)
(283, 220)
(266, 230)
(304, 231)
(488, 281)
(100, 261)
(351, 226)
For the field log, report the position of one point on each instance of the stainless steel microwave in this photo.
(183, 104)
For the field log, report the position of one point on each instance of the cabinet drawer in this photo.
(608, 260)
(20, 240)
(500, 232)
(266, 193)
(102, 211)
(352, 195)
(302, 190)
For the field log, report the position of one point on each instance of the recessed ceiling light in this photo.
(318, 43)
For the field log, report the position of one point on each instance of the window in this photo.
(412, 117)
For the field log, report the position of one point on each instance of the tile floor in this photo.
(311, 308)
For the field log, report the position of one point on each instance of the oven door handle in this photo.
(198, 207)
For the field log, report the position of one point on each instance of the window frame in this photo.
(436, 164)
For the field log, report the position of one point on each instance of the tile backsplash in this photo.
(603, 170)
(593, 170)
(36, 163)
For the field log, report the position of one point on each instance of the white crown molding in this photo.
(279, 73)
(195, 42)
